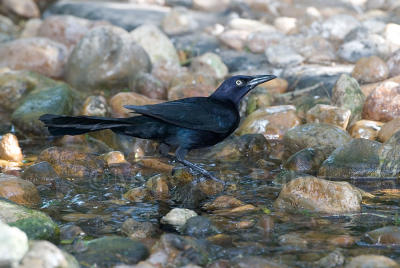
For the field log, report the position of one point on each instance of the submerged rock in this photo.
(377, 261)
(199, 227)
(138, 230)
(388, 235)
(318, 195)
(13, 245)
(19, 191)
(307, 160)
(9, 148)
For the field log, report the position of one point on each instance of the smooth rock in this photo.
(19, 191)
(178, 21)
(178, 217)
(238, 61)
(94, 106)
(8, 30)
(338, 26)
(383, 104)
(333, 259)
(392, 35)
(317, 49)
(31, 28)
(40, 173)
(105, 57)
(114, 157)
(223, 202)
(318, 195)
(254, 261)
(376, 261)
(388, 235)
(294, 240)
(329, 114)
(68, 162)
(259, 41)
(286, 25)
(354, 50)
(368, 88)
(191, 85)
(20, 9)
(157, 45)
(277, 85)
(305, 161)
(55, 99)
(149, 86)
(282, 55)
(322, 136)
(35, 54)
(166, 72)
(389, 155)
(249, 25)
(199, 227)
(158, 186)
(138, 230)
(196, 44)
(273, 122)
(235, 39)
(209, 64)
(366, 129)
(388, 129)
(118, 101)
(138, 194)
(13, 245)
(370, 70)
(9, 148)
(358, 158)
(393, 64)
(211, 5)
(347, 94)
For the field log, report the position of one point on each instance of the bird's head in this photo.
(236, 87)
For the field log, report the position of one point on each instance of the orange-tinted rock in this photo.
(388, 235)
(191, 85)
(368, 88)
(365, 129)
(389, 129)
(9, 148)
(277, 85)
(72, 163)
(114, 157)
(166, 72)
(371, 261)
(383, 104)
(223, 202)
(258, 41)
(370, 70)
(94, 106)
(394, 64)
(329, 114)
(149, 86)
(235, 39)
(273, 122)
(19, 191)
(20, 8)
(138, 194)
(128, 98)
(343, 240)
(35, 54)
(156, 164)
(158, 186)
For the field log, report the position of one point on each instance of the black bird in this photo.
(186, 124)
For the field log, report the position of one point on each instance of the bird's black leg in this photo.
(180, 156)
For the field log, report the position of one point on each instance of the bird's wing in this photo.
(199, 113)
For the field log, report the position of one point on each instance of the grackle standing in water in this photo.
(186, 124)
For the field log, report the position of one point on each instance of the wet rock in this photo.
(138, 230)
(307, 161)
(365, 129)
(358, 158)
(354, 50)
(70, 232)
(13, 245)
(72, 162)
(282, 55)
(149, 86)
(392, 33)
(23, 9)
(31, 28)
(329, 114)
(9, 148)
(40, 173)
(389, 235)
(178, 21)
(383, 104)
(347, 94)
(338, 26)
(94, 106)
(111, 250)
(389, 155)
(114, 157)
(368, 88)
(209, 64)
(235, 39)
(377, 261)
(370, 70)
(256, 262)
(394, 64)
(36, 54)
(36, 224)
(157, 45)
(19, 191)
(178, 217)
(286, 25)
(293, 239)
(210, 5)
(323, 136)
(318, 195)
(199, 227)
(191, 85)
(55, 99)
(67, 30)
(223, 202)
(158, 186)
(273, 122)
(138, 194)
(43, 254)
(389, 129)
(259, 41)
(118, 101)
(105, 57)
(333, 259)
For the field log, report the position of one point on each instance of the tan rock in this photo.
(158, 186)
(389, 129)
(114, 157)
(19, 191)
(277, 85)
(94, 106)
(388, 235)
(370, 70)
(223, 202)
(318, 195)
(376, 261)
(138, 194)
(20, 8)
(211, 5)
(9, 148)
(368, 88)
(329, 114)
(235, 39)
(191, 85)
(272, 122)
(394, 63)
(365, 129)
(118, 101)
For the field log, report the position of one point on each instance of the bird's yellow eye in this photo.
(239, 82)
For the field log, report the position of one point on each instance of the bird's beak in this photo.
(259, 79)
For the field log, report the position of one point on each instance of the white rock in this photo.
(13, 245)
(178, 217)
(392, 35)
(282, 55)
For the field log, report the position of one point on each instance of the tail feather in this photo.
(75, 125)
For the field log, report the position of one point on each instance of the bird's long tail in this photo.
(75, 125)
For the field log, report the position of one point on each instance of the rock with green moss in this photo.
(389, 157)
(111, 250)
(307, 160)
(36, 224)
(209, 64)
(54, 99)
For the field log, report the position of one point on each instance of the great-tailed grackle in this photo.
(187, 124)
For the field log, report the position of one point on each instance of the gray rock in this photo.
(8, 30)
(389, 155)
(338, 26)
(282, 55)
(376, 261)
(13, 245)
(372, 45)
(138, 230)
(199, 227)
(184, 3)
(196, 44)
(240, 61)
(178, 217)
(179, 21)
(307, 161)
(394, 64)
(105, 57)
(40, 173)
(209, 64)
